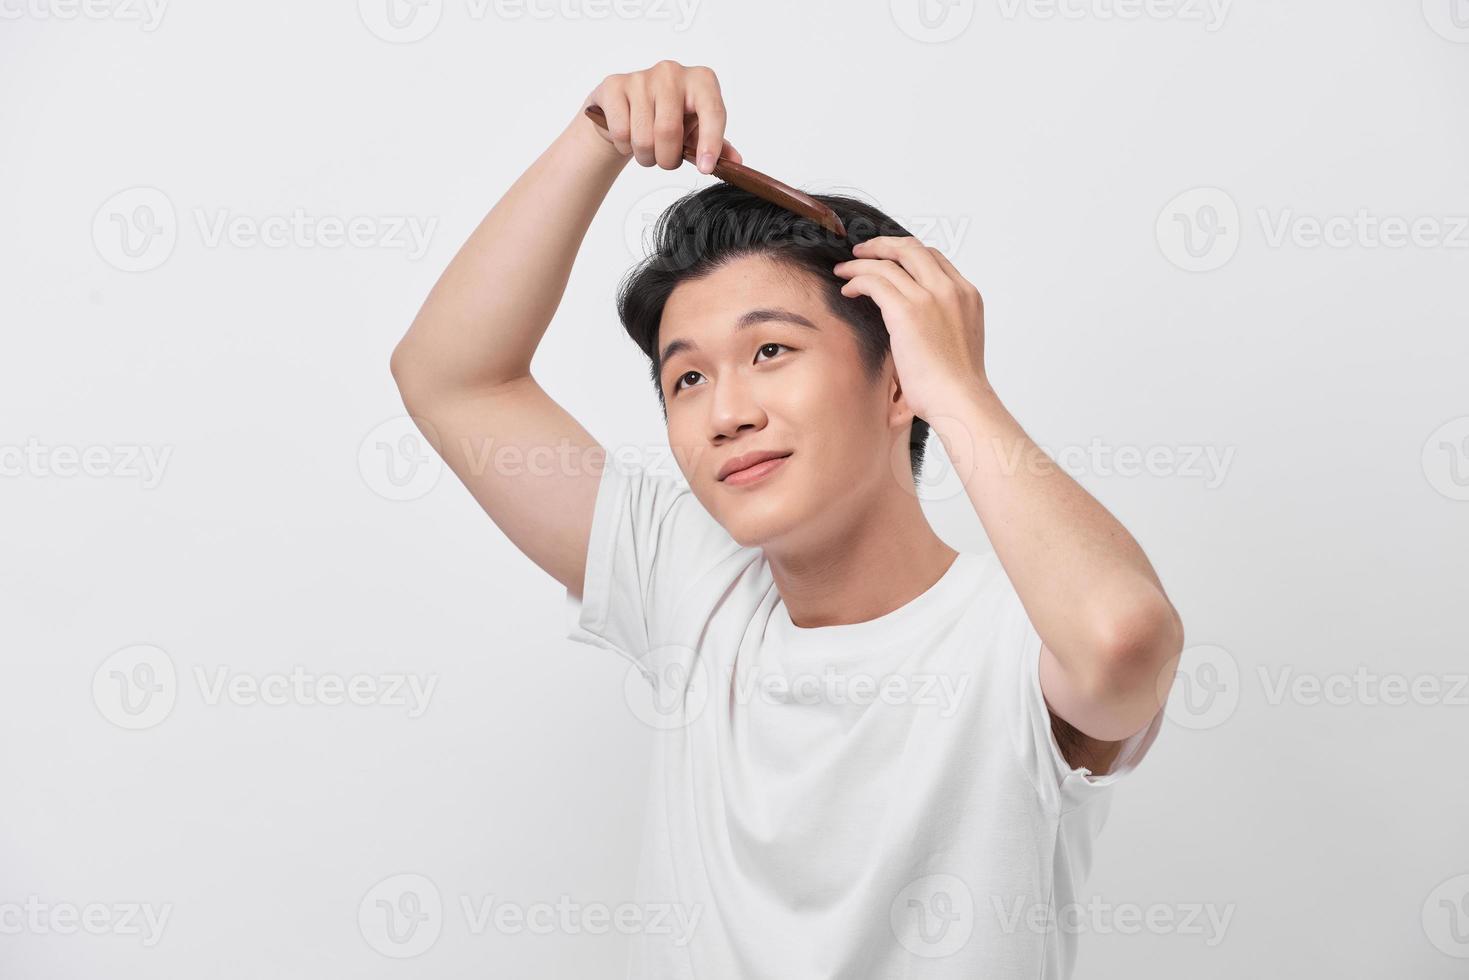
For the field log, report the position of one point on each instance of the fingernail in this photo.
(706, 162)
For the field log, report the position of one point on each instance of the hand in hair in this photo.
(934, 316)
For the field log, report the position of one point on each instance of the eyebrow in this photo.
(747, 320)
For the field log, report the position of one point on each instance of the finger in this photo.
(704, 100)
(912, 255)
(640, 108)
(886, 269)
(669, 127)
(880, 290)
(953, 273)
(613, 100)
(727, 149)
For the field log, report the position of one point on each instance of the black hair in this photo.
(707, 228)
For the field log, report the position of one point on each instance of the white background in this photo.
(1043, 148)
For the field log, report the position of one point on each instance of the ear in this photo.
(899, 414)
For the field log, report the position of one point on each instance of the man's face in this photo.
(733, 391)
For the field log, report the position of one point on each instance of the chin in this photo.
(754, 522)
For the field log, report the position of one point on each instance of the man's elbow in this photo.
(412, 375)
(1139, 654)
(401, 365)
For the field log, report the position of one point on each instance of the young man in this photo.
(879, 757)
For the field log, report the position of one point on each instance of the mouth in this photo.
(745, 470)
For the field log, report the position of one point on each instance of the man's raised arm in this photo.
(463, 367)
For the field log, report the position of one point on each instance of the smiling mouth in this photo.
(759, 471)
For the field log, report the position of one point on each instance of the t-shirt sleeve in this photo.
(651, 538)
(1063, 786)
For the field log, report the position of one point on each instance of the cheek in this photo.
(831, 394)
(832, 422)
(688, 450)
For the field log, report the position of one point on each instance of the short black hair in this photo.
(707, 228)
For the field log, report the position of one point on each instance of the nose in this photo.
(735, 405)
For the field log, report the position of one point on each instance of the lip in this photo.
(756, 473)
(737, 466)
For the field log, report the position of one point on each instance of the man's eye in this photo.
(678, 383)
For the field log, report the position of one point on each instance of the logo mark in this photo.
(1199, 230)
(397, 462)
(136, 687)
(1206, 689)
(933, 916)
(671, 691)
(136, 229)
(400, 21)
(1446, 459)
(401, 916)
(1448, 18)
(932, 21)
(1446, 917)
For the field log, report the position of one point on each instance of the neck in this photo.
(881, 560)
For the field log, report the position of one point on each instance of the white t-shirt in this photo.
(875, 799)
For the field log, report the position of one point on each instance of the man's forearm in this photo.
(1093, 596)
(484, 318)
